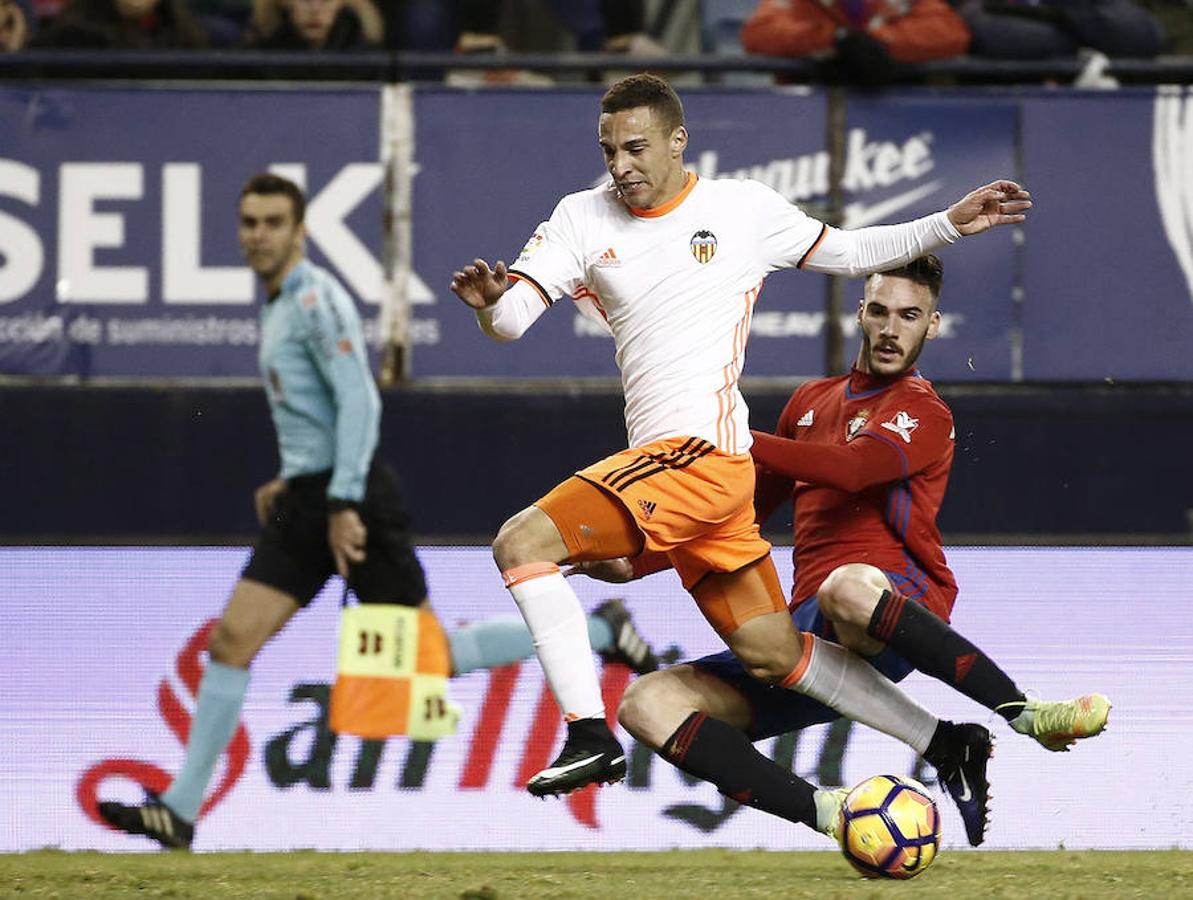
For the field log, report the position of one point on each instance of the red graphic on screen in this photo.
(189, 667)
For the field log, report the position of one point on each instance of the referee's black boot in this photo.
(590, 755)
(153, 819)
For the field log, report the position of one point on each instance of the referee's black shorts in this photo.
(292, 555)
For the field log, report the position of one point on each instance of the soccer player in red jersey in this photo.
(865, 458)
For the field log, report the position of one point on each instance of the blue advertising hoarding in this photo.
(968, 141)
(118, 220)
(118, 253)
(486, 201)
(1109, 254)
(907, 156)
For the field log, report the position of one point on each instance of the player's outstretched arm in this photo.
(478, 285)
(877, 248)
(481, 288)
(997, 203)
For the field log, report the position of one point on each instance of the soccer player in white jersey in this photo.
(673, 265)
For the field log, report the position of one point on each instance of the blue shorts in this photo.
(775, 710)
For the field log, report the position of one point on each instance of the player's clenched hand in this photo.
(478, 285)
(265, 496)
(346, 536)
(616, 571)
(997, 203)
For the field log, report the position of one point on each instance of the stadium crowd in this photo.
(854, 40)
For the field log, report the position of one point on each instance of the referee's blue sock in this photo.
(221, 694)
(505, 640)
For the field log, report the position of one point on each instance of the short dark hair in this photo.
(927, 270)
(268, 183)
(648, 90)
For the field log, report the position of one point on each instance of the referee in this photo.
(330, 509)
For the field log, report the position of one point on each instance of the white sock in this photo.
(843, 680)
(560, 630)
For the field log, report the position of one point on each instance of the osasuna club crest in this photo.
(856, 424)
(704, 246)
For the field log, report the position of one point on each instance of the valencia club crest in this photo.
(704, 246)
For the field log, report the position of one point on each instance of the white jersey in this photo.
(676, 287)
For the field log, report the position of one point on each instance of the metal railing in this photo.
(382, 66)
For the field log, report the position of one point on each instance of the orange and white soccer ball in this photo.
(890, 827)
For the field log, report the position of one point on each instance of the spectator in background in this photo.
(316, 25)
(15, 21)
(861, 41)
(1045, 29)
(479, 23)
(1176, 20)
(123, 25)
(610, 26)
(418, 25)
(613, 26)
(46, 10)
(226, 23)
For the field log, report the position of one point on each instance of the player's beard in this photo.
(908, 361)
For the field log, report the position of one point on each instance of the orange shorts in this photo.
(687, 498)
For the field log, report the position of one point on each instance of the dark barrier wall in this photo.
(80, 463)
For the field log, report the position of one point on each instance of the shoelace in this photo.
(1057, 719)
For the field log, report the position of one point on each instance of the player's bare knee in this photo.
(768, 654)
(637, 704)
(508, 546)
(655, 705)
(850, 592)
(766, 664)
(503, 548)
(520, 540)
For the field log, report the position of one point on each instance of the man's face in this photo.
(643, 156)
(896, 317)
(269, 236)
(313, 19)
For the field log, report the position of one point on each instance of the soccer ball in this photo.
(889, 828)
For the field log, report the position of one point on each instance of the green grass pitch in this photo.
(715, 874)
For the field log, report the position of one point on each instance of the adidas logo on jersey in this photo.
(647, 507)
(606, 259)
(805, 420)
